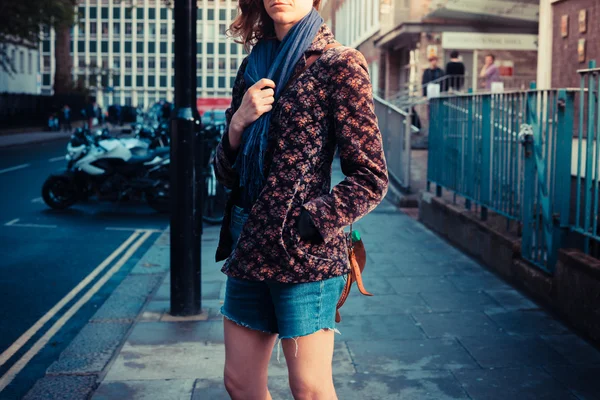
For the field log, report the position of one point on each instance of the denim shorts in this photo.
(289, 309)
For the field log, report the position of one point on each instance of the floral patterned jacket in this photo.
(329, 105)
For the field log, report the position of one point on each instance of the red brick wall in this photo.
(564, 50)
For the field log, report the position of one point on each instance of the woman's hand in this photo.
(257, 100)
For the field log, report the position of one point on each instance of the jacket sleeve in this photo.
(360, 146)
(225, 156)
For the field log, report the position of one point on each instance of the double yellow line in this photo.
(140, 235)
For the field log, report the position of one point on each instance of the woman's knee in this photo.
(242, 387)
(304, 388)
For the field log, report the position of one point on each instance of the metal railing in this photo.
(513, 153)
(586, 165)
(395, 126)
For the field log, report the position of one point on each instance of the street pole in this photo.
(186, 172)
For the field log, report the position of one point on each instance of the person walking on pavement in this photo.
(432, 74)
(66, 118)
(282, 234)
(455, 72)
(490, 72)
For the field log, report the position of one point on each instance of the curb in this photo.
(82, 365)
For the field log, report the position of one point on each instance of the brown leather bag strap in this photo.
(310, 61)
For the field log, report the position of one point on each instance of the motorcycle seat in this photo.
(141, 159)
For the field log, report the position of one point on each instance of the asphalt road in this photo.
(45, 254)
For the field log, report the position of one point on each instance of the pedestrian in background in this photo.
(433, 74)
(490, 72)
(66, 117)
(455, 72)
(282, 234)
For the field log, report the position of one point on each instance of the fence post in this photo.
(561, 198)
(486, 154)
(529, 180)
(408, 147)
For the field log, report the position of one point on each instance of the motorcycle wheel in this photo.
(215, 200)
(158, 198)
(58, 192)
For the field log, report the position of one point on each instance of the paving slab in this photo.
(500, 352)
(511, 299)
(582, 381)
(385, 304)
(166, 333)
(478, 282)
(458, 324)
(574, 349)
(527, 383)
(441, 301)
(528, 322)
(422, 284)
(392, 356)
(165, 389)
(377, 327)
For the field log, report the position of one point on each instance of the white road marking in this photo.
(11, 223)
(14, 168)
(61, 158)
(133, 229)
(25, 337)
(22, 362)
(37, 200)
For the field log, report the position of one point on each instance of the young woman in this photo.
(283, 234)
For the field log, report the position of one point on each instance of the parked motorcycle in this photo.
(103, 166)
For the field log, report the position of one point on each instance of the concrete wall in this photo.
(564, 50)
(572, 290)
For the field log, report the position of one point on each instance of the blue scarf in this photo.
(275, 61)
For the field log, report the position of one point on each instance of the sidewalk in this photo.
(439, 327)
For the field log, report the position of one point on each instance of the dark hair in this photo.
(454, 54)
(491, 55)
(253, 23)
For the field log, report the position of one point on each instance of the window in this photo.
(81, 46)
(163, 63)
(104, 12)
(151, 81)
(163, 29)
(93, 12)
(233, 65)
(233, 13)
(151, 63)
(199, 63)
(140, 47)
(105, 62)
(198, 48)
(152, 30)
(199, 14)
(46, 46)
(128, 62)
(105, 29)
(117, 63)
(210, 63)
(116, 13)
(221, 82)
(223, 15)
(152, 13)
(139, 81)
(22, 62)
(163, 13)
(210, 48)
(210, 14)
(81, 62)
(221, 63)
(71, 46)
(128, 28)
(210, 82)
(46, 80)
(163, 81)
(128, 47)
(140, 12)
(199, 81)
(233, 47)
(222, 50)
(231, 82)
(163, 47)
(222, 30)
(104, 46)
(140, 28)
(116, 80)
(172, 80)
(93, 46)
(93, 29)
(128, 12)
(140, 63)
(151, 47)
(116, 28)
(117, 47)
(128, 80)
(46, 60)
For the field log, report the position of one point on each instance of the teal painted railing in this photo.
(515, 154)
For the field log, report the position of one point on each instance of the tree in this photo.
(21, 22)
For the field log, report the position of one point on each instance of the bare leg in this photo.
(247, 355)
(309, 360)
